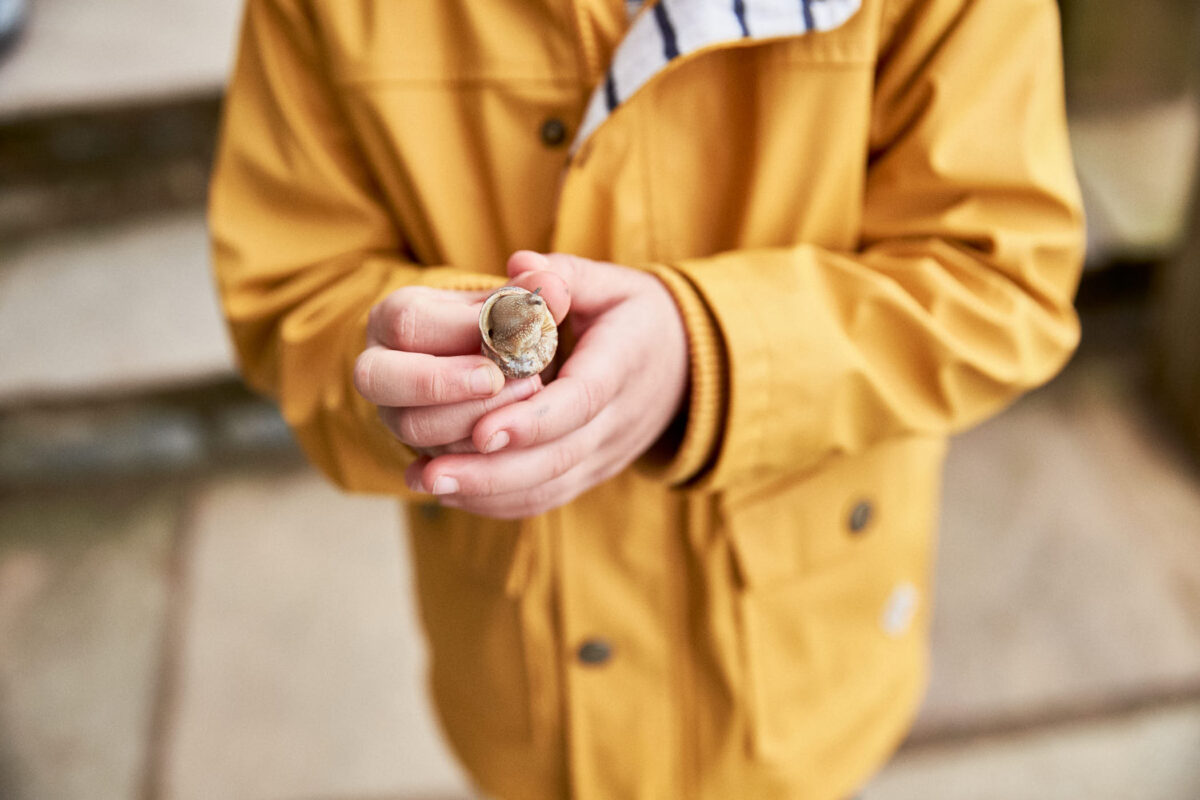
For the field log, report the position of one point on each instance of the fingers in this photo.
(461, 446)
(524, 261)
(528, 503)
(594, 285)
(567, 404)
(433, 426)
(553, 289)
(417, 319)
(506, 471)
(394, 378)
(587, 383)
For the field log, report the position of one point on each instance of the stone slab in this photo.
(118, 309)
(40, 447)
(303, 667)
(1151, 755)
(1069, 565)
(78, 53)
(84, 584)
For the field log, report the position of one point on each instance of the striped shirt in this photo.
(674, 28)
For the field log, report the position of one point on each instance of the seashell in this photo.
(518, 331)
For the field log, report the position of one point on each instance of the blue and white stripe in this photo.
(673, 28)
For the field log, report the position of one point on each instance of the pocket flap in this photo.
(848, 506)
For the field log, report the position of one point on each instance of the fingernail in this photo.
(445, 485)
(483, 381)
(498, 440)
(525, 389)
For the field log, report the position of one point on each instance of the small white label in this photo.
(900, 609)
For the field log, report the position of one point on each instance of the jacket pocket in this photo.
(833, 600)
(471, 577)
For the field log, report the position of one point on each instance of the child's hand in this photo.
(613, 397)
(423, 369)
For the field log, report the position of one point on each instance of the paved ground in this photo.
(1150, 755)
(116, 308)
(248, 632)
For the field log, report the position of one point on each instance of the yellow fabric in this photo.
(873, 235)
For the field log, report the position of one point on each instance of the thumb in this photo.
(593, 286)
(528, 270)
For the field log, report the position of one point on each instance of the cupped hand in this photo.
(422, 364)
(612, 399)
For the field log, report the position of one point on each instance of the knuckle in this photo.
(373, 316)
(593, 397)
(432, 387)
(562, 458)
(477, 484)
(412, 427)
(406, 324)
(402, 296)
(364, 369)
(534, 430)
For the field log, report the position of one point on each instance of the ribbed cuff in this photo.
(679, 460)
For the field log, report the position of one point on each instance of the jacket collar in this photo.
(673, 29)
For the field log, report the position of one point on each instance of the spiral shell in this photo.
(518, 331)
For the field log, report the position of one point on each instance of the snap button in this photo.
(431, 512)
(594, 652)
(554, 132)
(900, 609)
(860, 516)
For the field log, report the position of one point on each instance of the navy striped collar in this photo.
(673, 28)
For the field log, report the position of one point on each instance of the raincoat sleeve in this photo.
(959, 296)
(303, 249)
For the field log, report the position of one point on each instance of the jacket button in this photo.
(594, 652)
(554, 132)
(860, 516)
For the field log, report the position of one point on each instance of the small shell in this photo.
(518, 331)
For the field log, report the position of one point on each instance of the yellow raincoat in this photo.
(873, 233)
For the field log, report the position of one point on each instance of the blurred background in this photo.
(188, 611)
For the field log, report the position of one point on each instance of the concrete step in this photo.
(104, 165)
(110, 109)
(139, 438)
(77, 54)
(115, 310)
